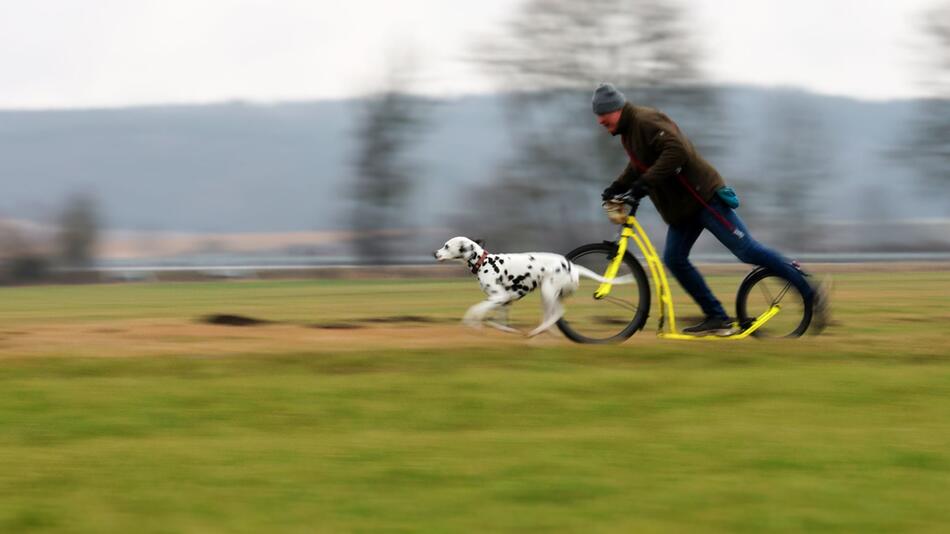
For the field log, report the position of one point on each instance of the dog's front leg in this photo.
(500, 321)
(476, 314)
(502, 315)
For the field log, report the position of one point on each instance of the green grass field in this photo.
(364, 407)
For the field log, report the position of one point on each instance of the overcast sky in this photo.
(104, 53)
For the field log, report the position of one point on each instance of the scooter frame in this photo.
(632, 230)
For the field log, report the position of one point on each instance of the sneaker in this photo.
(821, 307)
(719, 326)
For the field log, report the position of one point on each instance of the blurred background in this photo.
(232, 135)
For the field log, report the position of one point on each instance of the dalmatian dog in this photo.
(506, 278)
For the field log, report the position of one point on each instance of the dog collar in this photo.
(480, 261)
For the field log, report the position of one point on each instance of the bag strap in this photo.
(642, 169)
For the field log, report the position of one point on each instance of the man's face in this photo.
(609, 120)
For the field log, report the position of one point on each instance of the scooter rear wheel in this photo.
(763, 289)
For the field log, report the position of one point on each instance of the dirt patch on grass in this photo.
(402, 319)
(337, 326)
(227, 319)
(183, 338)
(370, 321)
(143, 338)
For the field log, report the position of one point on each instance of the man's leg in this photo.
(748, 250)
(679, 241)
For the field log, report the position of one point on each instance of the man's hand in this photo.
(614, 190)
(639, 189)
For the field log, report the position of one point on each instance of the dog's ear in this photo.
(480, 242)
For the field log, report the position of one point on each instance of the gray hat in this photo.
(607, 98)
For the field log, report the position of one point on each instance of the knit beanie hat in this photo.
(607, 98)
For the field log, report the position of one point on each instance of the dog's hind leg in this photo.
(553, 309)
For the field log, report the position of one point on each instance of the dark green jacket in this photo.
(665, 152)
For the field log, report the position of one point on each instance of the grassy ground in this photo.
(363, 406)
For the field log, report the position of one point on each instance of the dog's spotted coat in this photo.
(506, 278)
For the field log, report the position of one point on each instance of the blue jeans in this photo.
(681, 237)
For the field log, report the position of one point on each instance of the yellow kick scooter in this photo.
(767, 305)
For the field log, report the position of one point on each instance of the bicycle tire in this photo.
(796, 319)
(607, 251)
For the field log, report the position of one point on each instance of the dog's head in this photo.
(458, 248)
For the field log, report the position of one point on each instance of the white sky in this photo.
(103, 53)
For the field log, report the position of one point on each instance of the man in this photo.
(691, 196)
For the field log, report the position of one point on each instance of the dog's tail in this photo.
(587, 273)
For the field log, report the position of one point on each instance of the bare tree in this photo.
(23, 258)
(552, 55)
(935, 117)
(927, 148)
(558, 44)
(389, 124)
(78, 231)
(644, 47)
(798, 158)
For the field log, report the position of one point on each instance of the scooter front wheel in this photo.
(618, 315)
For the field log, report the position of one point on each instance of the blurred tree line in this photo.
(547, 61)
(32, 254)
(927, 147)
(390, 123)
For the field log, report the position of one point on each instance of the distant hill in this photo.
(216, 168)
(238, 167)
